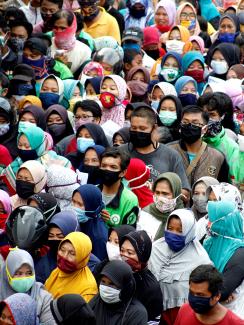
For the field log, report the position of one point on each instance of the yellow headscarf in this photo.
(81, 281)
(30, 100)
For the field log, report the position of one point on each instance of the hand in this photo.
(230, 299)
(62, 58)
(105, 215)
(185, 196)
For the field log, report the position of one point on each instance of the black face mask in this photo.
(53, 244)
(188, 99)
(137, 13)
(153, 53)
(109, 177)
(24, 189)
(201, 305)
(93, 172)
(190, 133)
(26, 155)
(140, 139)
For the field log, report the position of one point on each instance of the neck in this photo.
(112, 189)
(194, 147)
(89, 23)
(147, 149)
(215, 314)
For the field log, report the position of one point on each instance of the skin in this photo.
(24, 143)
(195, 46)
(6, 317)
(137, 61)
(3, 120)
(168, 105)
(2, 210)
(113, 238)
(86, 115)
(175, 35)
(84, 133)
(139, 76)
(92, 73)
(108, 68)
(31, 55)
(200, 189)
(49, 8)
(54, 119)
(91, 158)
(218, 56)
(175, 225)
(196, 65)
(212, 196)
(33, 203)
(161, 17)
(189, 88)
(157, 94)
(227, 26)
(76, 92)
(213, 114)
(28, 117)
(90, 91)
(107, 282)
(20, 32)
(118, 140)
(171, 62)
(164, 189)
(67, 251)
(127, 250)
(187, 14)
(109, 85)
(55, 234)
(24, 175)
(60, 25)
(23, 271)
(77, 201)
(50, 85)
(231, 75)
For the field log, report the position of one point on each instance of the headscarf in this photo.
(121, 231)
(32, 100)
(233, 18)
(170, 8)
(167, 88)
(5, 157)
(6, 203)
(172, 269)
(130, 21)
(178, 106)
(69, 88)
(108, 42)
(226, 230)
(184, 34)
(72, 309)
(138, 69)
(177, 57)
(66, 221)
(96, 133)
(137, 175)
(197, 29)
(66, 39)
(38, 114)
(188, 59)
(35, 137)
(124, 133)
(22, 307)
(95, 82)
(233, 88)
(93, 66)
(199, 41)
(60, 85)
(238, 69)
(81, 281)
(182, 81)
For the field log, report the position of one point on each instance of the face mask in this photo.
(24, 189)
(153, 53)
(24, 125)
(109, 177)
(219, 67)
(175, 242)
(190, 133)
(196, 74)
(113, 252)
(214, 128)
(140, 139)
(167, 117)
(84, 143)
(109, 295)
(189, 24)
(24, 89)
(188, 99)
(201, 305)
(107, 99)
(22, 285)
(135, 265)
(39, 66)
(169, 74)
(81, 215)
(163, 28)
(175, 46)
(4, 128)
(49, 99)
(132, 46)
(137, 13)
(56, 130)
(154, 104)
(89, 13)
(65, 265)
(17, 44)
(163, 204)
(53, 244)
(227, 37)
(3, 219)
(93, 172)
(200, 203)
(27, 154)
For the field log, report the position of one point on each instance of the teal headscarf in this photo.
(69, 88)
(36, 138)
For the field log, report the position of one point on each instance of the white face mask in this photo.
(113, 252)
(175, 46)
(4, 128)
(108, 294)
(83, 78)
(219, 67)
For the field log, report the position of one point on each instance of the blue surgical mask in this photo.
(84, 143)
(201, 305)
(167, 117)
(49, 99)
(227, 37)
(188, 99)
(175, 242)
(154, 104)
(81, 215)
(132, 46)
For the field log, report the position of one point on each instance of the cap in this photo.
(133, 33)
(151, 36)
(37, 44)
(4, 104)
(23, 72)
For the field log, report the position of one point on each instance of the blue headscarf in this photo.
(188, 59)
(95, 82)
(180, 83)
(69, 88)
(66, 221)
(177, 58)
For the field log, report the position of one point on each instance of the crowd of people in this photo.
(121, 162)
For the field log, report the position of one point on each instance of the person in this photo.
(33, 114)
(87, 204)
(166, 198)
(158, 92)
(97, 22)
(51, 91)
(19, 309)
(205, 285)
(121, 205)
(194, 151)
(135, 250)
(165, 14)
(92, 88)
(20, 31)
(5, 210)
(110, 58)
(132, 58)
(151, 42)
(73, 92)
(186, 16)
(115, 302)
(173, 258)
(28, 101)
(186, 88)
(32, 12)
(169, 68)
(47, 8)
(177, 40)
(72, 309)
(18, 275)
(120, 137)
(236, 71)
(72, 274)
(198, 44)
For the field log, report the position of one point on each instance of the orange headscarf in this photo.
(29, 100)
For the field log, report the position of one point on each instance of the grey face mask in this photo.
(200, 202)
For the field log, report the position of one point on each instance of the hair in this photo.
(164, 135)
(239, 40)
(208, 273)
(14, 12)
(115, 152)
(145, 112)
(129, 55)
(195, 109)
(221, 103)
(68, 15)
(88, 105)
(4, 80)
(56, 2)
(25, 24)
(79, 21)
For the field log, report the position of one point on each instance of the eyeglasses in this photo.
(83, 117)
(196, 125)
(185, 15)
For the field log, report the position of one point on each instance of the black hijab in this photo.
(121, 231)
(124, 133)
(96, 132)
(72, 309)
(38, 114)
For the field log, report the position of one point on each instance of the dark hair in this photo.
(88, 105)
(117, 153)
(239, 40)
(202, 23)
(79, 21)
(65, 14)
(129, 55)
(195, 109)
(145, 112)
(208, 273)
(14, 12)
(221, 103)
(4, 80)
(22, 23)
(56, 2)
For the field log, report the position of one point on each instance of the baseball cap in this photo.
(37, 44)
(23, 72)
(133, 33)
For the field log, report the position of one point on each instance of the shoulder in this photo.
(136, 307)
(232, 318)
(214, 152)
(129, 195)
(168, 150)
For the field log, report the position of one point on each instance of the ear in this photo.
(4, 92)
(128, 66)
(149, 97)
(204, 130)
(122, 174)
(215, 299)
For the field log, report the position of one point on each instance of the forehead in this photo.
(192, 116)
(111, 160)
(200, 287)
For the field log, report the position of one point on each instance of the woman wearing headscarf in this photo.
(18, 275)
(51, 91)
(91, 70)
(5, 210)
(138, 14)
(31, 178)
(120, 137)
(137, 176)
(170, 67)
(73, 92)
(177, 40)
(87, 203)
(30, 100)
(160, 90)
(186, 16)
(72, 309)
(138, 73)
(165, 14)
(173, 258)
(135, 250)
(225, 245)
(186, 88)
(21, 308)
(111, 59)
(33, 114)
(5, 158)
(197, 44)
(72, 274)
(92, 87)
(115, 303)
(236, 71)
(58, 123)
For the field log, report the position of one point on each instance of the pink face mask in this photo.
(163, 204)
(66, 40)
(81, 121)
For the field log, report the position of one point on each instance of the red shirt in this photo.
(187, 316)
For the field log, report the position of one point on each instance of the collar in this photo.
(114, 204)
(103, 20)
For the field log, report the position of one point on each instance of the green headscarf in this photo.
(35, 136)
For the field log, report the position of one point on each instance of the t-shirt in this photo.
(187, 316)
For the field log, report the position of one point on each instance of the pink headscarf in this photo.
(197, 29)
(6, 202)
(199, 41)
(94, 66)
(66, 39)
(234, 90)
(170, 8)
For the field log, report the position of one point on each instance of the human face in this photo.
(213, 114)
(212, 196)
(91, 158)
(85, 116)
(28, 117)
(196, 65)
(76, 92)
(31, 55)
(90, 90)
(60, 25)
(3, 120)
(67, 251)
(227, 26)
(54, 119)
(48, 8)
(200, 189)
(107, 282)
(23, 271)
(161, 17)
(164, 189)
(195, 46)
(157, 93)
(118, 140)
(193, 118)
(84, 133)
(128, 251)
(241, 6)
(171, 62)
(19, 32)
(77, 201)
(140, 124)
(168, 105)
(24, 175)
(187, 14)
(6, 317)
(24, 143)
(2, 210)
(175, 225)
(189, 88)
(50, 85)
(92, 73)
(175, 35)
(113, 238)
(137, 60)
(231, 75)
(55, 234)
(111, 163)
(202, 290)
(139, 76)
(218, 56)
(109, 85)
